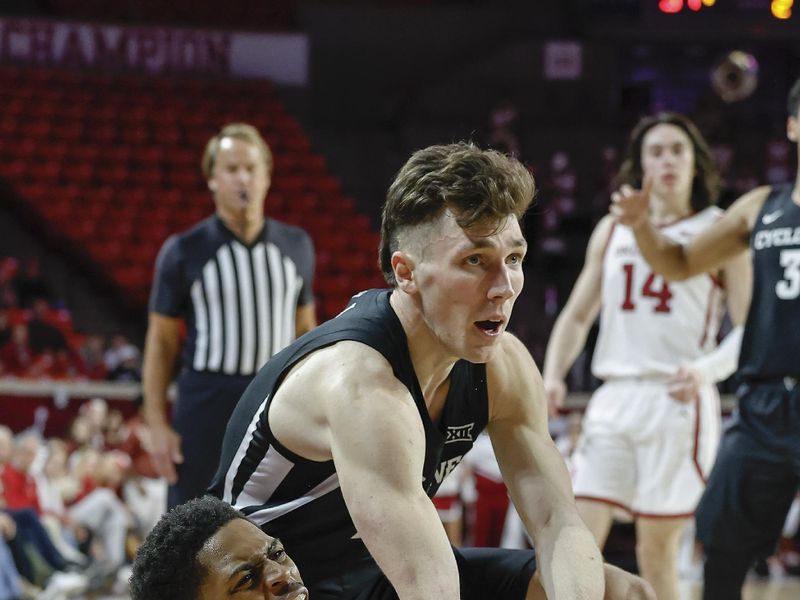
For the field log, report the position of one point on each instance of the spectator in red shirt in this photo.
(19, 486)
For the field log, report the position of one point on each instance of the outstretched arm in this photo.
(707, 252)
(721, 362)
(573, 324)
(568, 560)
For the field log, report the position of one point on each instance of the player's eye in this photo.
(248, 581)
(278, 555)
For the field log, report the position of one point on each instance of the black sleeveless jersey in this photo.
(299, 500)
(771, 343)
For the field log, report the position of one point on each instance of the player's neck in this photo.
(669, 209)
(432, 363)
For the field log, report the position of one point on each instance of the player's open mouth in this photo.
(490, 327)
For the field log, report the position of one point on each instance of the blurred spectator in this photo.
(144, 491)
(8, 295)
(119, 351)
(30, 285)
(115, 429)
(79, 434)
(96, 477)
(6, 445)
(16, 356)
(91, 353)
(5, 328)
(64, 531)
(129, 367)
(95, 413)
(43, 335)
(10, 587)
(19, 487)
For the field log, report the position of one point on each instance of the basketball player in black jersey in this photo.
(757, 472)
(341, 439)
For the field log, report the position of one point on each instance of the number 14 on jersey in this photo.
(654, 287)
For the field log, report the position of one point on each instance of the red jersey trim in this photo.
(608, 501)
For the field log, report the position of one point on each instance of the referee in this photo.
(242, 285)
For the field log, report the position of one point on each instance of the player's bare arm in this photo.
(737, 277)
(366, 421)
(568, 560)
(573, 324)
(160, 353)
(707, 252)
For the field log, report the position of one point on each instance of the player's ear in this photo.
(212, 185)
(403, 267)
(792, 129)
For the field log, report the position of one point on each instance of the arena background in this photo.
(106, 107)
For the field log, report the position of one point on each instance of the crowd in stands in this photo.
(73, 510)
(37, 339)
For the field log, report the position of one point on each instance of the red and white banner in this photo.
(280, 57)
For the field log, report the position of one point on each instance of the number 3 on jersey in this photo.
(662, 294)
(789, 287)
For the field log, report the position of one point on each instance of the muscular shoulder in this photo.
(333, 390)
(346, 371)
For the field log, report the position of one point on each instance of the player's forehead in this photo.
(236, 541)
(446, 233)
(665, 134)
(236, 150)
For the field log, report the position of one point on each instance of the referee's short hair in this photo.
(238, 131)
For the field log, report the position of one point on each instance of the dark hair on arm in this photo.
(474, 184)
(166, 565)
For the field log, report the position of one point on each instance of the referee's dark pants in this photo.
(204, 405)
(752, 485)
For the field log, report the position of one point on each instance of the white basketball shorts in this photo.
(644, 452)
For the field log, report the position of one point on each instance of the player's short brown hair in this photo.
(475, 184)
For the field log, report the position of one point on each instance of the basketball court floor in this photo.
(783, 588)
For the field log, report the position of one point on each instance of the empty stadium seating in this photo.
(113, 163)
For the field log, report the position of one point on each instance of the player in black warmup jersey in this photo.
(339, 442)
(757, 471)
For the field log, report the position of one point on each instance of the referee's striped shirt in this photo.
(239, 300)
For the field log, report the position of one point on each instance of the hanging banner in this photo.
(279, 57)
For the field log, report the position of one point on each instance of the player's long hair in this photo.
(476, 185)
(706, 182)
